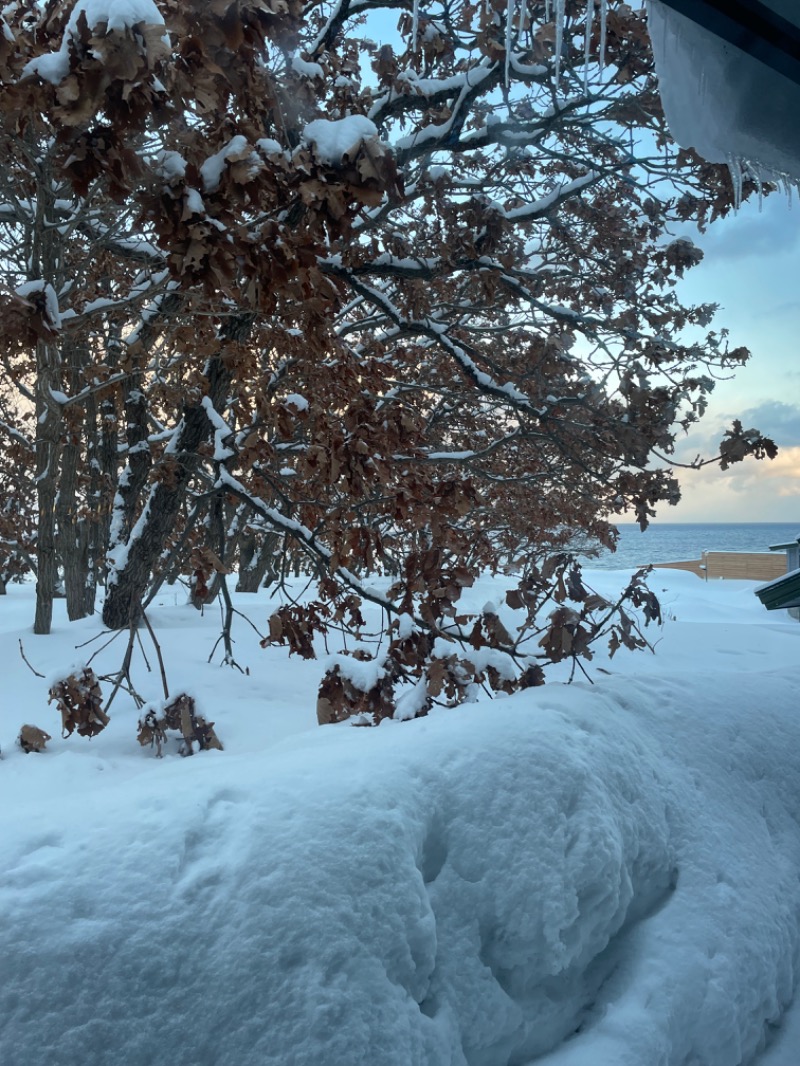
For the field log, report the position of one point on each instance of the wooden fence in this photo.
(744, 566)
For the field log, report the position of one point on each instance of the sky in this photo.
(752, 270)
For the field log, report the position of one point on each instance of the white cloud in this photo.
(765, 491)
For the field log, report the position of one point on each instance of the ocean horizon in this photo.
(665, 542)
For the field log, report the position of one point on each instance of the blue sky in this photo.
(752, 269)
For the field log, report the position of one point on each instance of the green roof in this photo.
(782, 592)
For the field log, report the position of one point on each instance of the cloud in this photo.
(785, 469)
(783, 472)
(750, 491)
(775, 419)
(766, 491)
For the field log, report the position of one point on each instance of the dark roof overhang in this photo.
(781, 593)
(752, 26)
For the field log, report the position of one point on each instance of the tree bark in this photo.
(72, 535)
(45, 264)
(48, 427)
(256, 561)
(127, 585)
(95, 525)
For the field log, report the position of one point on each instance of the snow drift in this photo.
(602, 875)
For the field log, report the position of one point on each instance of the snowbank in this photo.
(598, 875)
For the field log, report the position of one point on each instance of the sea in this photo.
(664, 542)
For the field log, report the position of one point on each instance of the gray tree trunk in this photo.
(73, 544)
(45, 263)
(128, 585)
(257, 561)
(96, 523)
(48, 429)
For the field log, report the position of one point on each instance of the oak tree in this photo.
(281, 296)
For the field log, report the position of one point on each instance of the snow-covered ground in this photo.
(580, 875)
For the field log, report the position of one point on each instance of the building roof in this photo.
(784, 547)
(768, 30)
(740, 59)
(782, 592)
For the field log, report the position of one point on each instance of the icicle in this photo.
(559, 13)
(511, 6)
(760, 186)
(789, 186)
(415, 26)
(587, 41)
(603, 14)
(735, 168)
(703, 86)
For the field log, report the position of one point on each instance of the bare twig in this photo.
(97, 636)
(144, 653)
(124, 673)
(157, 646)
(25, 660)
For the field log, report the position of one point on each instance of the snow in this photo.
(170, 165)
(222, 431)
(31, 288)
(599, 875)
(333, 139)
(294, 399)
(306, 69)
(212, 170)
(551, 199)
(194, 202)
(363, 674)
(722, 101)
(117, 15)
(269, 146)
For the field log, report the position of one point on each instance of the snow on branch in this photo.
(115, 15)
(333, 139)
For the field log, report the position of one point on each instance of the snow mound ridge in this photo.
(604, 876)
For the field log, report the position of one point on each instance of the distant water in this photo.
(664, 542)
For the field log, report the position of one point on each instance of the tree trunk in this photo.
(127, 584)
(96, 521)
(131, 485)
(45, 265)
(48, 426)
(77, 578)
(256, 561)
(102, 421)
(72, 535)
